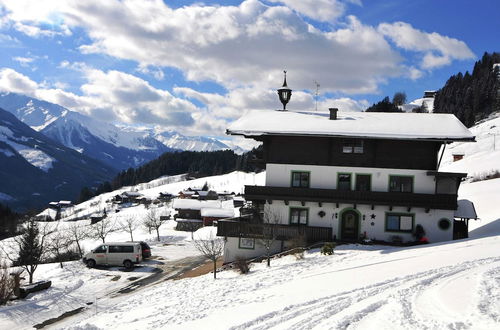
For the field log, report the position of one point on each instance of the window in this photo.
(400, 183)
(299, 216)
(344, 181)
(444, 224)
(100, 249)
(247, 243)
(300, 179)
(350, 146)
(399, 222)
(363, 182)
(121, 249)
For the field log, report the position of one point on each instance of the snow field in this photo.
(362, 287)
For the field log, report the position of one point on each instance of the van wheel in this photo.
(128, 264)
(91, 263)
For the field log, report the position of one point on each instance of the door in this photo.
(349, 226)
(100, 255)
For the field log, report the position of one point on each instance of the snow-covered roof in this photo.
(194, 204)
(407, 126)
(187, 192)
(465, 209)
(132, 193)
(217, 212)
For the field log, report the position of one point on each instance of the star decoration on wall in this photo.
(373, 216)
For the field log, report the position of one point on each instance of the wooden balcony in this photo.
(427, 201)
(237, 228)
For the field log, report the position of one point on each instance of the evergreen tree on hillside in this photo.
(384, 106)
(472, 97)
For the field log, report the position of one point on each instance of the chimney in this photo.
(333, 113)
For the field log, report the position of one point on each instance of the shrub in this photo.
(6, 284)
(327, 248)
(243, 265)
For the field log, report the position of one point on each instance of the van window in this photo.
(100, 249)
(121, 248)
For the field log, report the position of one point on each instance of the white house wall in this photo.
(429, 221)
(233, 251)
(325, 177)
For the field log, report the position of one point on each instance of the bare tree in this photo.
(102, 229)
(130, 224)
(59, 246)
(192, 226)
(271, 219)
(399, 98)
(153, 220)
(78, 233)
(212, 248)
(31, 246)
(7, 283)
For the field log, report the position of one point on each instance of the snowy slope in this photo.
(35, 169)
(176, 140)
(427, 101)
(119, 148)
(33, 112)
(481, 157)
(452, 285)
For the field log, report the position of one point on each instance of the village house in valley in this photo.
(348, 177)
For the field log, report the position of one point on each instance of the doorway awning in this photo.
(465, 210)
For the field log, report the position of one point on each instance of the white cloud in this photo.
(247, 45)
(23, 61)
(154, 72)
(321, 10)
(238, 101)
(438, 50)
(13, 81)
(112, 95)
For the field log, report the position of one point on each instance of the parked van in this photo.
(114, 254)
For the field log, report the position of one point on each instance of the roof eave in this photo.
(254, 135)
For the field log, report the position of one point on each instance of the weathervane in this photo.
(284, 93)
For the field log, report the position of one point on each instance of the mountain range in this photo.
(120, 147)
(36, 169)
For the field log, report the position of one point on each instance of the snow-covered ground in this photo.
(453, 285)
(450, 285)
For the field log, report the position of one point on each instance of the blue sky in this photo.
(195, 67)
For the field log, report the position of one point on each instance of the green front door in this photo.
(349, 226)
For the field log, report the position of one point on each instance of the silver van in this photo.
(114, 254)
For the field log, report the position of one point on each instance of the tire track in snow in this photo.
(348, 308)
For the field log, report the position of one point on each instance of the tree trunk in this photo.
(158, 233)
(215, 269)
(31, 277)
(131, 237)
(103, 240)
(79, 248)
(268, 260)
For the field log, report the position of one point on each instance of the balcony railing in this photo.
(235, 228)
(427, 201)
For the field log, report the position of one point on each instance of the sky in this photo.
(197, 66)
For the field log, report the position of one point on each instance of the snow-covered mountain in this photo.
(35, 169)
(176, 140)
(119, 146)
(33, 112)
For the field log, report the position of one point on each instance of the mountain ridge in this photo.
(119, 146)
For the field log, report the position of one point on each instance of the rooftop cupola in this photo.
(284, 93)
